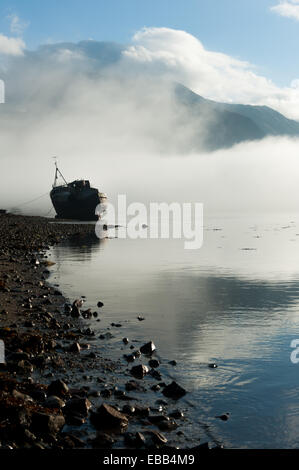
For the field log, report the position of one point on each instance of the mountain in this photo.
(224, 125)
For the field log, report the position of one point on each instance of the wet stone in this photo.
(103, 441)
(79, 406)
(54, 402)
(148, 348)
(157, 438)
(58, 388)
(75, 348)
(47, 423)
(174, 391)
(139, 371)
(177, 414)
(154, 363)
(134, 386)
(108, 416)
(134, 439)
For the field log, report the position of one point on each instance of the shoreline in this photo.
(57, 388)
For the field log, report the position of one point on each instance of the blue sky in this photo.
(245, 29)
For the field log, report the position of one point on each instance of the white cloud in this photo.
(11, 46)
(17, 25)
(182, 57)
(287, 8)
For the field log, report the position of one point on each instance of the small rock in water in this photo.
(75, 347)
(213, 366)
(157, 437)
(177, 414)
(140, 318)
(154, 363)
(100, 304)
(148, 348)
(126, 340)
(174, 391)
(223, 417)
(139, 371)
(172, 363)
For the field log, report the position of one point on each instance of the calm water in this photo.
(234, 302)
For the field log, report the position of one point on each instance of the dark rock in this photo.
(100, 304)
(47, 423)
(155, 374)
(106, 393)
(134, 439)
(139, 371)
(108, 417)
(79, 406)
(174, 391)
(107, 335)
(154, 363)
(58, 388)
(157, 438)
(177, 414)
(140, 318)
(223, 417)
(74, 419)
(130, 357)
(75, 348)
(126, 340)
(128, 410)
(155, 388)
(168, 425)
(213, 366)
(88, 332)
(54, 402)
(67, 308)
(201, 447)
(142, 411)
(132, 385)
(38, 395)
(155, 419)
(172, 363)
(103, 441)
(148, 348)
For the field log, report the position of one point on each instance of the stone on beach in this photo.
(148, 348)
(47, 423)
(58, 388)
(108, 417)
(174, 391)
(139, 371)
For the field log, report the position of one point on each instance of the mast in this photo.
(56, 174)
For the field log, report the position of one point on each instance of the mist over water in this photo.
(109, 113)
(253, 177)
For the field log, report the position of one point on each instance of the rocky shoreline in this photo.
(57, 388)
